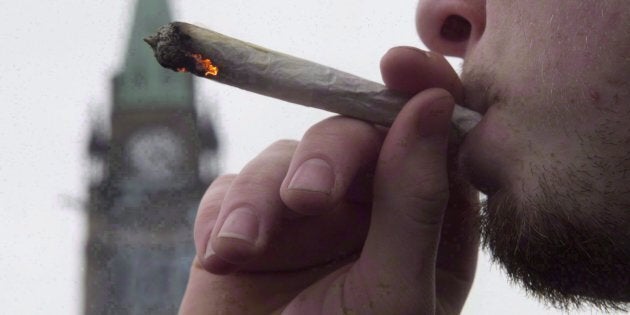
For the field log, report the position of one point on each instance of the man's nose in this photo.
(451, 27)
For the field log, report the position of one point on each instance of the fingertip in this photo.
(207, 256)
(309, 189)
(305, 203)
(330, 156)
(224, 247)
(251, 209)
(395, 66)
(411, 70)
(242, 235)
(208, 212)
(426, 114)
(216, 265)
(225, 255)
(435, 119)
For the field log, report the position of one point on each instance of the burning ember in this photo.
(282, 76)
(206, 64)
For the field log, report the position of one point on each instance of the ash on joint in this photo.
(170, 47)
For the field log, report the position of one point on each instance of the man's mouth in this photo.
(480, 90)
(475, 161)
(479, 102)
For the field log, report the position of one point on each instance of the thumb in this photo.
(410, 196)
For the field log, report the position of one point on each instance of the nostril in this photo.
(455, 28)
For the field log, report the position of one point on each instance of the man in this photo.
(355, 219)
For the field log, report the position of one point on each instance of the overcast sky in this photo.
(57, 59)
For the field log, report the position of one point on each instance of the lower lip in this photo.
(480, 155)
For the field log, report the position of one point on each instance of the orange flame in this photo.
(206, 64)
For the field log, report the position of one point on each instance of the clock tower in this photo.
(149, 168)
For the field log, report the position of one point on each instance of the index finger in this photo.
(411, 70)
(333, 157)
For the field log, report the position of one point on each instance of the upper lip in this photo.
(479, 95)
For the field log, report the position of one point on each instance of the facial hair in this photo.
(558, 250)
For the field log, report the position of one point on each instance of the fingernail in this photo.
(242, 224)
(314, 175)
(417, 50)
(209, 251)
(438, 117)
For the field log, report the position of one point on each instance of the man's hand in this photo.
(351, 220)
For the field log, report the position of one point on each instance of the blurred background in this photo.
(104, 154)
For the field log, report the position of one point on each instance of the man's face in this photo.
(553, 150)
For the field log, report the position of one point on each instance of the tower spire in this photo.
(149, 174)
(143, 82)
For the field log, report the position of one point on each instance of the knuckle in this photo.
(210, 206)
(213, 197)
(222, 180)
(277, 153)
(334, 127)
(263, 182)
(424, 197)
(432, 187)
(283, 144)
(251, 181)
(433, 197)
(431, 205)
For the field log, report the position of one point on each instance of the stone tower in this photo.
(149, 167)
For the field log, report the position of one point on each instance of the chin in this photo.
(561, 232)
(556, 251)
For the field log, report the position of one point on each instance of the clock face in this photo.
(155, 153)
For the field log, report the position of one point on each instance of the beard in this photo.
(567, 241)
(559, 248)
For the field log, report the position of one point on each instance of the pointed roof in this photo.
(143, 83)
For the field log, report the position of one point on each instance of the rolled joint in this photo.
(181, 46)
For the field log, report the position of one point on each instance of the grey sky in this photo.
(57, 61)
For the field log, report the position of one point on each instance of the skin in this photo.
(552, 152)
(393, 229)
